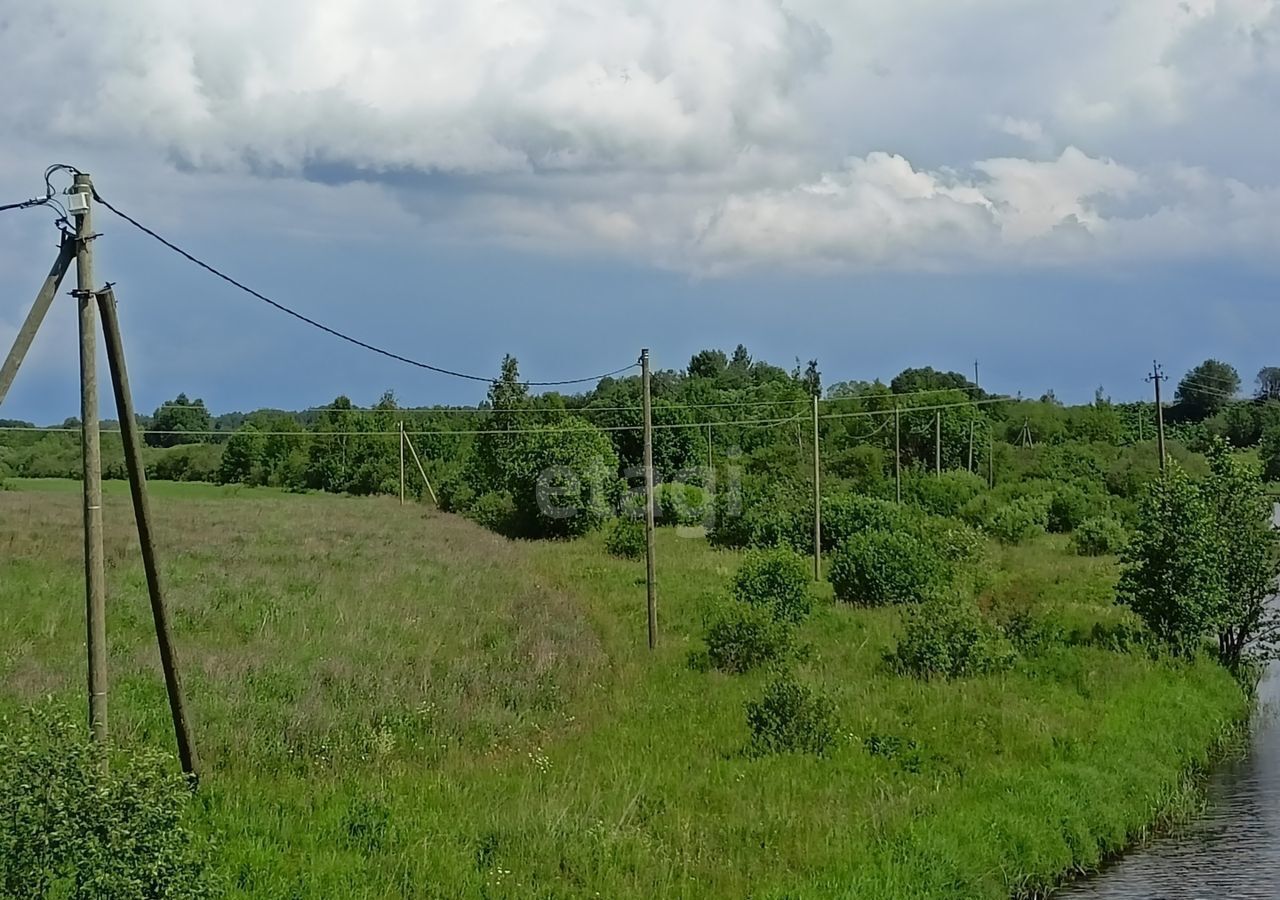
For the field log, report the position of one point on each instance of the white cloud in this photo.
(702, 136)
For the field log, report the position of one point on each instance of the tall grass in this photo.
(392, 702)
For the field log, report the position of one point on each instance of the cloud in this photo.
(704, 137)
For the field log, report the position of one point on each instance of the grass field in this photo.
(392, 702)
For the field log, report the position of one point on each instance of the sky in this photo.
(1063, 192)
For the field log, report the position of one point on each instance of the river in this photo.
(1233, 851)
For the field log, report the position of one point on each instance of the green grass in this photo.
(391, 702)
(194, 490)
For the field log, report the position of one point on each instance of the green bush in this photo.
(1099, 536)
(1067, 508)
(756, 515)
(562, 479)
(981, 510)
(70, 827)
(456, 493)
(945, 494)
(681, 504)
(777, 579)
(844, 515)
(185, 462)
(494, 510)
(790, 718)
(740, 638)
(948, 637)
(1020, 520)
(626, 539)
(880, 567)
(952, 539)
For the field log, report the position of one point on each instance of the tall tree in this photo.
(1268, 381)
(1205, 390)
(178, 422)
(708, 364)
(810, 379)
(909, 381)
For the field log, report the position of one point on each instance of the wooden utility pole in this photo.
(991, 460)
(402, 462)
(1157, 375)
(26, 334)
(897, 452)
(817, 496)
(937, 442)
(132, 440)
(94, 577)
(651, 587)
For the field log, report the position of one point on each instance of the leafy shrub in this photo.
(790, 718)
(776, 579)
(1099, 536)
(456, 494)
(1032, 634)
(980, 511)
(1020, 520)
(948, 637)
(844, 515)
(741, 638)
(72, 828)
(185, 462)
(881, 567)
(945, 494)
(626, 539)
(1067, 509)
(754, 515)
(681, 504)
(494, 510)
(562, 478)
(952, 539)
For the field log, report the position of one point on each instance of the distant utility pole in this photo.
(971, 445)
(650, 577)
(991, 460)
(94, 575)
(1157, 375)
(401, 428)
(897, 452)
(817, 496)
(937, 442)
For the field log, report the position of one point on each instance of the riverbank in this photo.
(394, 703)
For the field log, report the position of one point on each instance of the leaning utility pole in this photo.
(66, 253)
(817, 496)
(132, 441)
(94, 576)
(1157, 375)
(651, 587)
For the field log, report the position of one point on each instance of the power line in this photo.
(373, 348)
(658, 405)
(470, 432)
